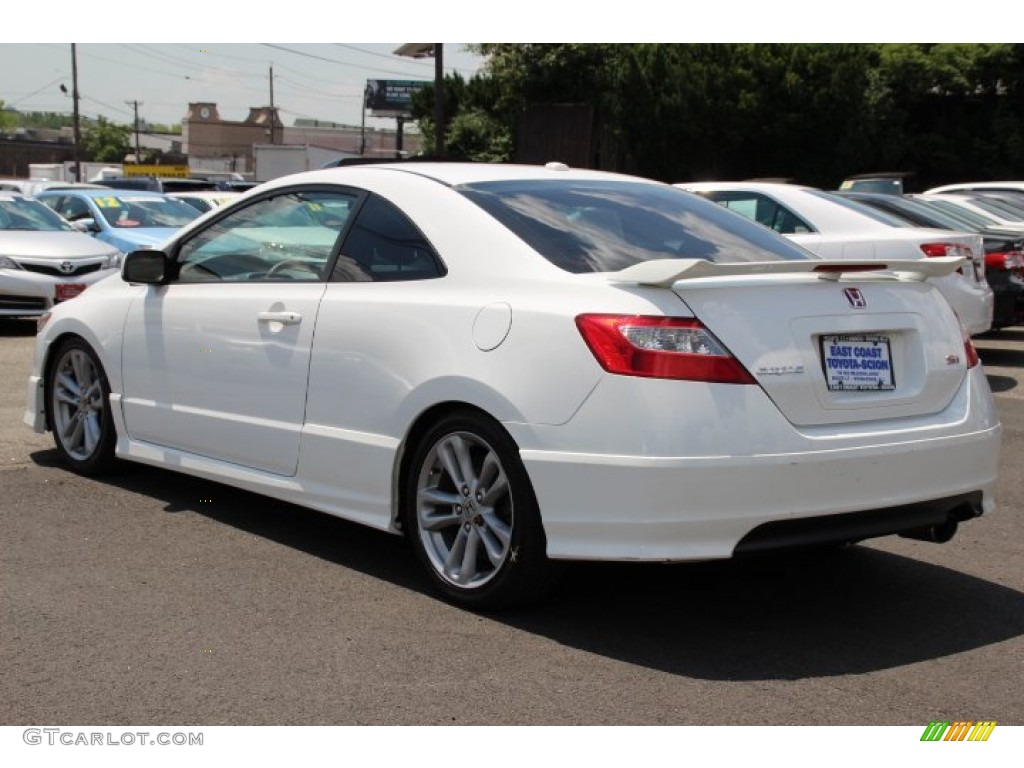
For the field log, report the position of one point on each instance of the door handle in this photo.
(284, 318)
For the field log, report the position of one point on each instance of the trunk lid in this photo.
(853, 347)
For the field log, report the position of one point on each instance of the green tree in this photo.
(8, 117)
(474, 131)
(105, 142)
(950, 111)
(811, 112)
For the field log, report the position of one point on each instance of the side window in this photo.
(73, 209)
(384, 245)
(288, 237)
(762, 209)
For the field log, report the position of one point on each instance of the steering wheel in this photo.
(282, 266)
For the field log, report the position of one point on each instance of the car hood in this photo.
(56, 245)
(144, 237)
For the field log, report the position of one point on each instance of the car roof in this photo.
(103, 192)
(746, 186)
(451, 174)
(206, 194)
(979, 186)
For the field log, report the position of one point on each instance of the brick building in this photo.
(215, 144)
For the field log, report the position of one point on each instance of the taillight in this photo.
(970, 351)
(959, 250)
(661, 348)
(936, 250)
(1004, 260)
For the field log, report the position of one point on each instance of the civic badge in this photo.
(855, 297)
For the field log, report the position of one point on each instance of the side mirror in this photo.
(87, 225)
(146, 266)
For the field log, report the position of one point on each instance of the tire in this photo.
(78, 409)
(471, 516)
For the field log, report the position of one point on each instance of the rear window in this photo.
(605, 226)
(882, 217)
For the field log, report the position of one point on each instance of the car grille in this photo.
(21, 302)
(47, 270)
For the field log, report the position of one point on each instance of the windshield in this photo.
(129, 211)
(21, 213)
(605, 226)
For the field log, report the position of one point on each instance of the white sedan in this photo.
(515, 366)
(837, 228)
(206, 200)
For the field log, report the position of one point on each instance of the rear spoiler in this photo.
(666, 272)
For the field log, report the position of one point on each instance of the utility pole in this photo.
(135, 103)
(77, 123)
(423, 51)
(439, 148)
(362, 127)
(273, 112)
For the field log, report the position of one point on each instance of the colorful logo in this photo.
(959, 730)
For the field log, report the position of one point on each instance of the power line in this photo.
(330, 61)
(390, 57)
(40, 90)
(402, 59)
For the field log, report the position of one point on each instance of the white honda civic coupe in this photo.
(515, 366)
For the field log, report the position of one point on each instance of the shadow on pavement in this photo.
(1000, 383)
(1006, 358)
(824, 614)
(11, 327)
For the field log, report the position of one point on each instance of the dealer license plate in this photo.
(858, 363)
(67, 291)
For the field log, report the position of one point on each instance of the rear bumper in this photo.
(856, 526)
(755, 469)
(666, 509)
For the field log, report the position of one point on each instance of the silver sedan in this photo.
(43, 259)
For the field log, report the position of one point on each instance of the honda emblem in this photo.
(855, 297)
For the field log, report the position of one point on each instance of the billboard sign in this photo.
(391, 98)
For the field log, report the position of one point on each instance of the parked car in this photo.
(952, 206)
(1004, 249)
(978, 186)
(33, 187)
(43, 259)
(997, 211)
(126, 220)
(205, 201)
(833, 227)
(886, 183)
(163, 185)
(519, 365)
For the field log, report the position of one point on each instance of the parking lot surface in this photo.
(150, 597)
